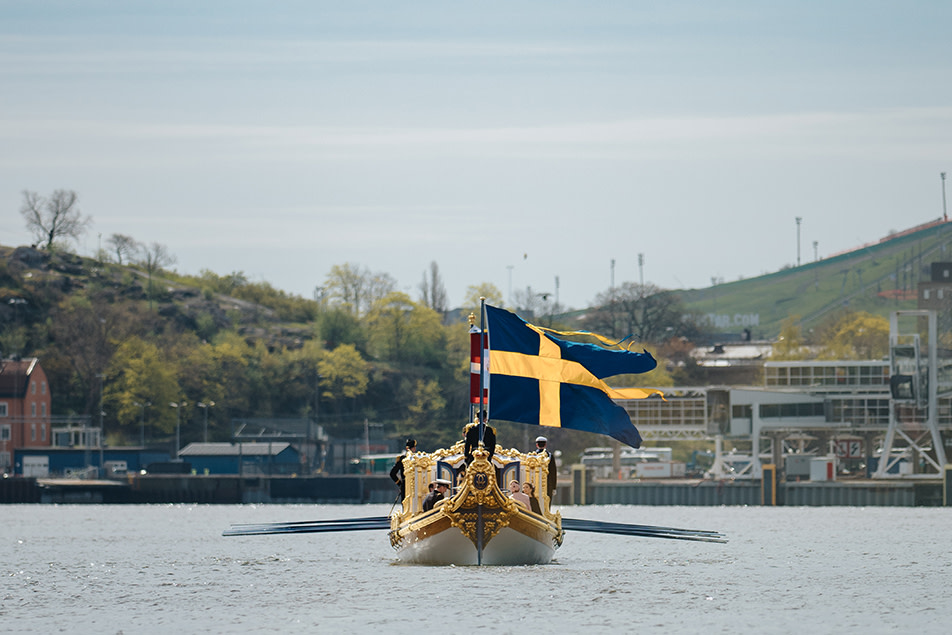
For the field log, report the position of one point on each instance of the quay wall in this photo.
(580, 489)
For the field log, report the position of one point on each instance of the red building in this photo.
(24, 408)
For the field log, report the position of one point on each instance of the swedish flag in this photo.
(539, 379)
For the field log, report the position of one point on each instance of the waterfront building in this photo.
(24, 408)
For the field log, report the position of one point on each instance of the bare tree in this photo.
(123, 245)
(55, 217)
(155, 257)
(354, 288)
(648, 313)
(433, 291)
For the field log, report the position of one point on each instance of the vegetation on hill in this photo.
(876, 279)
(124, 336)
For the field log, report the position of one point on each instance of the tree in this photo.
(139, 375)
(646, 312)
(789, 344)
(483, 290)
(343, 374)
(355, 288)
(433, 293)
(154, 258)
(123, 246)
(856, 335)
(58, 216)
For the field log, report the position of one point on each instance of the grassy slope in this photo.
(813, 291)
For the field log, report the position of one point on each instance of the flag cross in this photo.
(550, 370)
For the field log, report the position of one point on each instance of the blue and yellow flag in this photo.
(538, 379)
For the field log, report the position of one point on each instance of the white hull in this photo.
(451, 547)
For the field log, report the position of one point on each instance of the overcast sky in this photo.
(511, 142)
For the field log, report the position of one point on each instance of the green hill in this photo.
(877, 278)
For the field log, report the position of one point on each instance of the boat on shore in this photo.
(479, 523)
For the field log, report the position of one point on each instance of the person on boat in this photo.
(438, 494)
(460, 476)
(553, 477)
(529, 491)
(471, 436)
(396, 472)
(515, 493)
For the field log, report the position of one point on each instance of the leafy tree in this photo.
(790, 344)
(86, 333)
(58, 216)
(856, 335)
(343, 375)
(337, 326)
(425, 414)
(483, 290)
(405, 332)
(138, 374)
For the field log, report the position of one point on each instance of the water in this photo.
(166, 568)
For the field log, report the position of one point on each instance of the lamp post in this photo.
(205, 406)
(799, 219)
(142, 420)
(178, 425)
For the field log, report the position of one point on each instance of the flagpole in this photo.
(482, 370)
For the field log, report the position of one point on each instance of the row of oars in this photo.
(383, 522)
(645, 531)
(310, 526)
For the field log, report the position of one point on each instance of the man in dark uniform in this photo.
(472, 440)
(438, 493)
(553, 477)
(396, 472)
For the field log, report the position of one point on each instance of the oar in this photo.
(626, 526)
(646, 531)
(310, 526)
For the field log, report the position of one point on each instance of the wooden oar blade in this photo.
(645, 531)
(310, 527)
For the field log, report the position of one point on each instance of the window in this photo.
(32, 432)
(3, 409)
(32, 387)
(4, 460)
(742, 412)
(43, 388)
(43, 432)
(43, 409)
(33, 409)
(925, 294)
(5, 432)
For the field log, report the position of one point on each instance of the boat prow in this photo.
(478, 524)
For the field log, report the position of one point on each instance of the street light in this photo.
(799, 219)
(142, 420)
(16, 302)
(205, 406)
(178, 425)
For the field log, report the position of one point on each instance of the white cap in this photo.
(541, 440)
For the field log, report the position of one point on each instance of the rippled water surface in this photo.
(166, 568)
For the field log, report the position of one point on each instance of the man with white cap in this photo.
(552, 480)
(437, 494)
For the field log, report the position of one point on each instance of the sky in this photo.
(536, 145)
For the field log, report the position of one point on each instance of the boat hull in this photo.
(478, 526)
(438, 542)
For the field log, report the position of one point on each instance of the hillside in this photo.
(877, 278)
